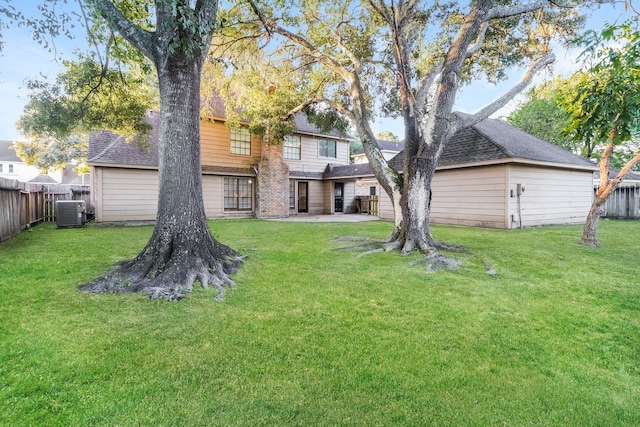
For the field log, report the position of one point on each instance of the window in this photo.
(10, 168)
(292, 194)
(292, 147)
(240, 142)
(327, 148)
(1, 165)
(238, 194)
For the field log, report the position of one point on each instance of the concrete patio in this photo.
(329, 218)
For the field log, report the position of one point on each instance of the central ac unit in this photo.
(70, 213)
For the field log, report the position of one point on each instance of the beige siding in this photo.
(311, 161)
(327, 197)
(551, 196)
(213, 196)
(216, 149)
(471, 196)
(385, 207)
(126, 194)
(132, 195)
(317, 197)
(349, 197)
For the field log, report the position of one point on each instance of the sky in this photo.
(23, 59)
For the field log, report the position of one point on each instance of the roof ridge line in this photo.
(502, 148)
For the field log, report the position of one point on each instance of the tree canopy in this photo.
(605, 106)
(85, 97)
(409, 59)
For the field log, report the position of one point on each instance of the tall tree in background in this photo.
(605, 107)
(387, 136)
(543, 115)
(418, 54)
(87, 96)
(181, 249)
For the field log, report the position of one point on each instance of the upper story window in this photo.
(327, 148)
(292, 147)
(1, 168)
(10, 168)
(241, 141)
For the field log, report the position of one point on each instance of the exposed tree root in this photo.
(164, 273)
(433, 259)
(370, 252)
(437, 261)
(490, 270)
(368, 244)
(355, 239)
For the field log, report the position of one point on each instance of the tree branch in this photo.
(134, 34)
(475, 47)
(327, 60)
(422, 90)
(487, 111)
(498, 12)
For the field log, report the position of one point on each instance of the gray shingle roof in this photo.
(8, 154)
(43, 179)
(107, 147)
(344, 171)
(494, 139)
(488, 141)
(303, 174)
(303, 126)
(631, 176)
(228, 170)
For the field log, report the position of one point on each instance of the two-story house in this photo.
(12, 166)
(241, 176)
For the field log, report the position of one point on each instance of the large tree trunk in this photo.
(181, 249)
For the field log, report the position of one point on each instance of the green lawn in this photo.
(315, 336)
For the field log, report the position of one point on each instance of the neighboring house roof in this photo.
(488, 142)
(8, 154)
(630, 177)
(43, 179)
(392, 146)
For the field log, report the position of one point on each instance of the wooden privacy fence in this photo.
(23, 205)
(623, 203)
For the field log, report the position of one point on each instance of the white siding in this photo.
(551, 196)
